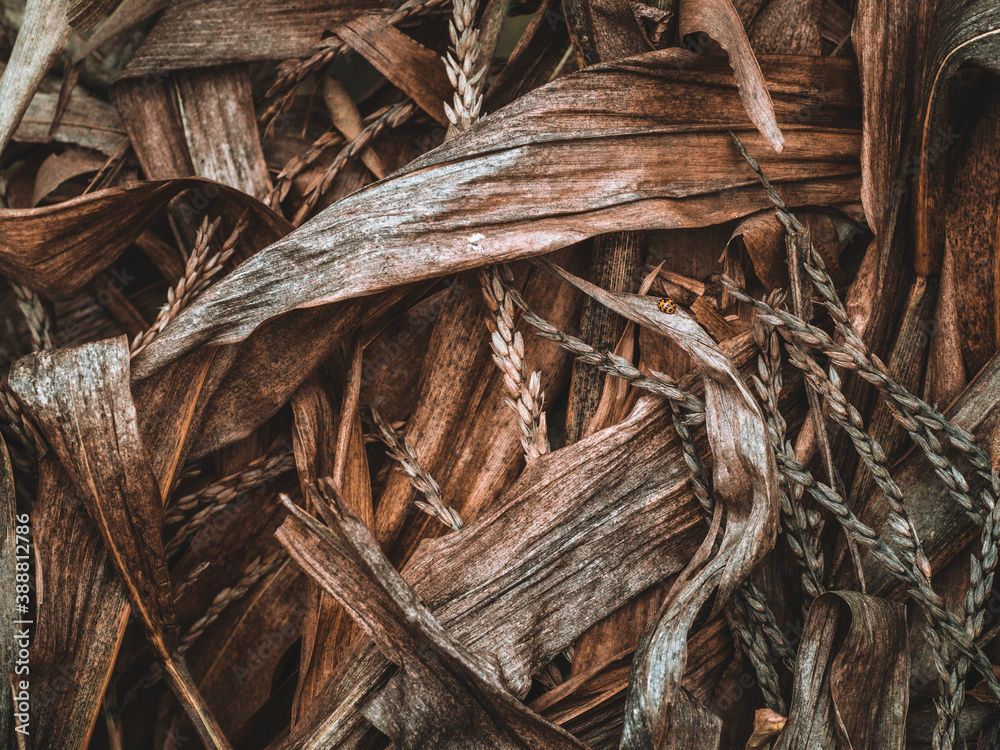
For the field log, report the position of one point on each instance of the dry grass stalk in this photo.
(404, 454)
(803, 526)
(258, 472)
(295, 72)
(220, 495)
(919, 419)
(202, 266)
(468, 83)
(35, 315)
(524, 394)
(906, 408)
(387, 118)
(901, 564)
(257, 569)
(298, 164)
(656, 382)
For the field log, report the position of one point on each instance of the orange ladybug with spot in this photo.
(667, 306)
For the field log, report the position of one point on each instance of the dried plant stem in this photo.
(390, 117)
(19, 422)
(35, 315)
(298, 164)
(404, 454)
(524, 394)
(847, 417)
(756, 648)
(257, 569)
(459, 62)
(202, 266)
(258, 472)
(921, 422)
(220, 494)
(803, 527)
(294, 72)
(944, 624)
(656, 382)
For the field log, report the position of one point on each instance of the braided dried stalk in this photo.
(293, 72)
(656, 382)
(803, 527)
(35, 315)
(918, 418)
(258, 472)
(202, 266)
(921, 422)
(524, 394)
(389, 118)
(905, 409)
(459, 62)
(257, 569)
(298, 164)
(220, 495)
(403, 453)
(944, 626)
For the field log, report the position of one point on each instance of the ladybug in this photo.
(667, 305)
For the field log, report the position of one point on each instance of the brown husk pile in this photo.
(499, 374)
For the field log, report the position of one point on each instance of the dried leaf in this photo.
(501, 564)
(767, 725)
(415, 69)
(39, 42)
(81, 400)
(445, 695)
(347, 119)
(57, 249)
(719, 20)
(746, 487)
(365, 242)
(329, 443)
(836, 676)
(964, 33)
(196, 34)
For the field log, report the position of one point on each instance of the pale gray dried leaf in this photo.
(719, 20)
(745, 483)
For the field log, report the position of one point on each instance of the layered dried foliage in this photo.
(509, 374)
